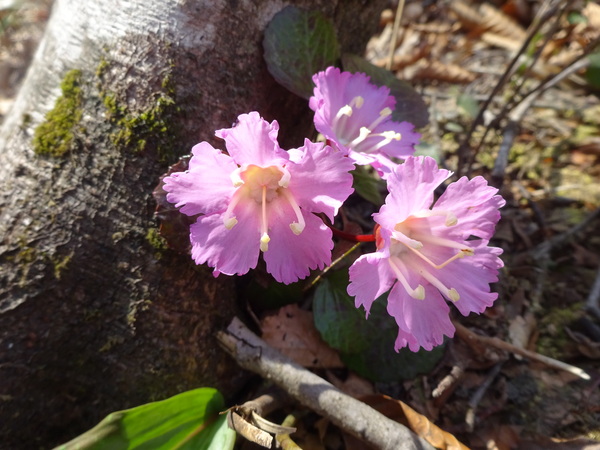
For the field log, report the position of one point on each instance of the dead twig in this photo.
(353, 416)
(592, 305)
(464, 332)
(465, 159)
(479, 393)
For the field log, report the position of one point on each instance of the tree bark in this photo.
(95, 315)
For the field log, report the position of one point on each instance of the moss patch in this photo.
(158, 242)
(148, 128)
(55, 135)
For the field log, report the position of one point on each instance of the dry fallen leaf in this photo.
(293, 333)
(402, 413)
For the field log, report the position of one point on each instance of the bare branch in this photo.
(346, 412)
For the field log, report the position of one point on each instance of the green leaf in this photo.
(467, 105)
(366, 346)
(410, 106)
(186, 421)
(367, 186)
(592, 74)
(297, 45)
(269, 294)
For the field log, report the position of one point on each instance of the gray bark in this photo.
(93, 317)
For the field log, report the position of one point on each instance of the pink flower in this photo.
(426, 252)
(260, 198)
(357, 116)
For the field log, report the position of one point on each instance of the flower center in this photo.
(414, 236)
(346, 133)
(262, 185)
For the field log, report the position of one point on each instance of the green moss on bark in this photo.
(153, 127)
(54, 136)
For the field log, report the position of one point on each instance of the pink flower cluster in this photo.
(258, 198)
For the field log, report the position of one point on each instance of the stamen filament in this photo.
(418, 293)
(459, 255)
(451, 293)
(229, 219)
(388, 136)
(296, 227)
(430, 239)
(404, 239)
(264, 226)
(451, 218)
(285, 178)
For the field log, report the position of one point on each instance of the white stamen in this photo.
(296, 227)
(418, 293)
(230, 223)
(451, 218)
(285, 178)
(264, 226)
(229, 219)
(459, 255)
(450, 293)
(264, 242)
(404, 239)
(362, 135)
(236, 177)
(431, 239)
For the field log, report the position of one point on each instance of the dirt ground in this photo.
(480, 67)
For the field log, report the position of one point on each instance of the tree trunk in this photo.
(95, 314)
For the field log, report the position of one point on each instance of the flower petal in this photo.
(321, 179)
(471, 277)
(290, 257)
(370, 277)
(233, 251)
(426, 320)
(253, 140)
(411, 187)
(205, 187)
(475, 204)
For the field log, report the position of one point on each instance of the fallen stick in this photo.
(351, 415)
(466, 334)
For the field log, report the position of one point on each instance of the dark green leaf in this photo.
(269, 294)
(189, 421)
(367, 186)
(366, 346)
(297, 45)
(592, 74)
(410, 106)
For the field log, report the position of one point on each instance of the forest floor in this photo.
(542, 152)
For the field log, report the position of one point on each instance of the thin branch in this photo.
(464, 160)
(465, 333)
(355, 417)
(593, 301)
(394, 38)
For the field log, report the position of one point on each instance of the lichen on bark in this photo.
(54, 136)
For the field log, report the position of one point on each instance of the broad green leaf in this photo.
(186, 421)
(410, 106)
(366, 345)
(297, 45)
(367, 186)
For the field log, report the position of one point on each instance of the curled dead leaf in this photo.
(421, 425)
